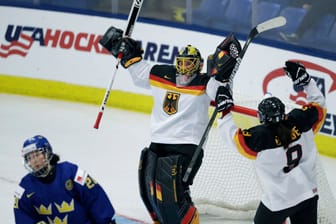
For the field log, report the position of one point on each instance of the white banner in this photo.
(64, 47)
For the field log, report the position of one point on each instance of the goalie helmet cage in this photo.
(227, 185)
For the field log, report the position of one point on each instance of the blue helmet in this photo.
(33, 147)
(271, 110)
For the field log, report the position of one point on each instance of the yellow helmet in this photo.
(189, 61)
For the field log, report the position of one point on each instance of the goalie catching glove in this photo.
(128, 50)
(222, 64)
(224, 100)
(297, 72)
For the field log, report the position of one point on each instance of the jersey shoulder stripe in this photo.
(310, 116)
(242, 146)
(164, 84)
(164, 77)
(322, 113)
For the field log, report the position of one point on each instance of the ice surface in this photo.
(110, 154)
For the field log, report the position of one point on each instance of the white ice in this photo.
(110, 154)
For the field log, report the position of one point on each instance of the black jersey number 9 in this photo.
(294, 155)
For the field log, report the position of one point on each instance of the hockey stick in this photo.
(262, 27)
(132, 17)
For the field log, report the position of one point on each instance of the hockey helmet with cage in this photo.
(271, 110)
(189, 64)
(37, 153)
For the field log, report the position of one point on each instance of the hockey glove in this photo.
(297, 72)
(111, 40)
(225, 59)
(127, 49)
(131, 52)
(224, 99)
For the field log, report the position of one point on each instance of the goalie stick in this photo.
(262, 27)
(132, 17)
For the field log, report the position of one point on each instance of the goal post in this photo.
(227, 185)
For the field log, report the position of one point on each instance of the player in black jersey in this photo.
(283, 149)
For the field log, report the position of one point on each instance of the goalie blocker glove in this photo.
(224, 100)
(223, 62)
(129, 49)
(297, 72)
(111, 40)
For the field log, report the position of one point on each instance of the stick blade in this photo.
(271, 24)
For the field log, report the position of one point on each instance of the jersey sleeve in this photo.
(22, 211)
(212, 87)
(312, 115)
(316, 100)
(234, 137)
(248, 142)
(314, 94)
(93, 197)
(140, 74)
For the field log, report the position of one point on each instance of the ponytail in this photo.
(283, 132)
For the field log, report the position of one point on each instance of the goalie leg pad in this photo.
(172, 195)
(146, 174)
(191, 216)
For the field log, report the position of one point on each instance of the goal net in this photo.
(227, 185)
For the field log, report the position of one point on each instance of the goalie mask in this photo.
(189, 64)
(271, 110)
(37, 153)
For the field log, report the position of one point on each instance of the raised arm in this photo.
(130, 53)
(297, 72)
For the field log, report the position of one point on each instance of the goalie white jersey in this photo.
(180, 114)
(287, 175)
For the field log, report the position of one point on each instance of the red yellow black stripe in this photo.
(166, 84)
(322, 112)
(191, 217)
(242, 147)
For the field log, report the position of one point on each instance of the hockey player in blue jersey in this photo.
(58, 192)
